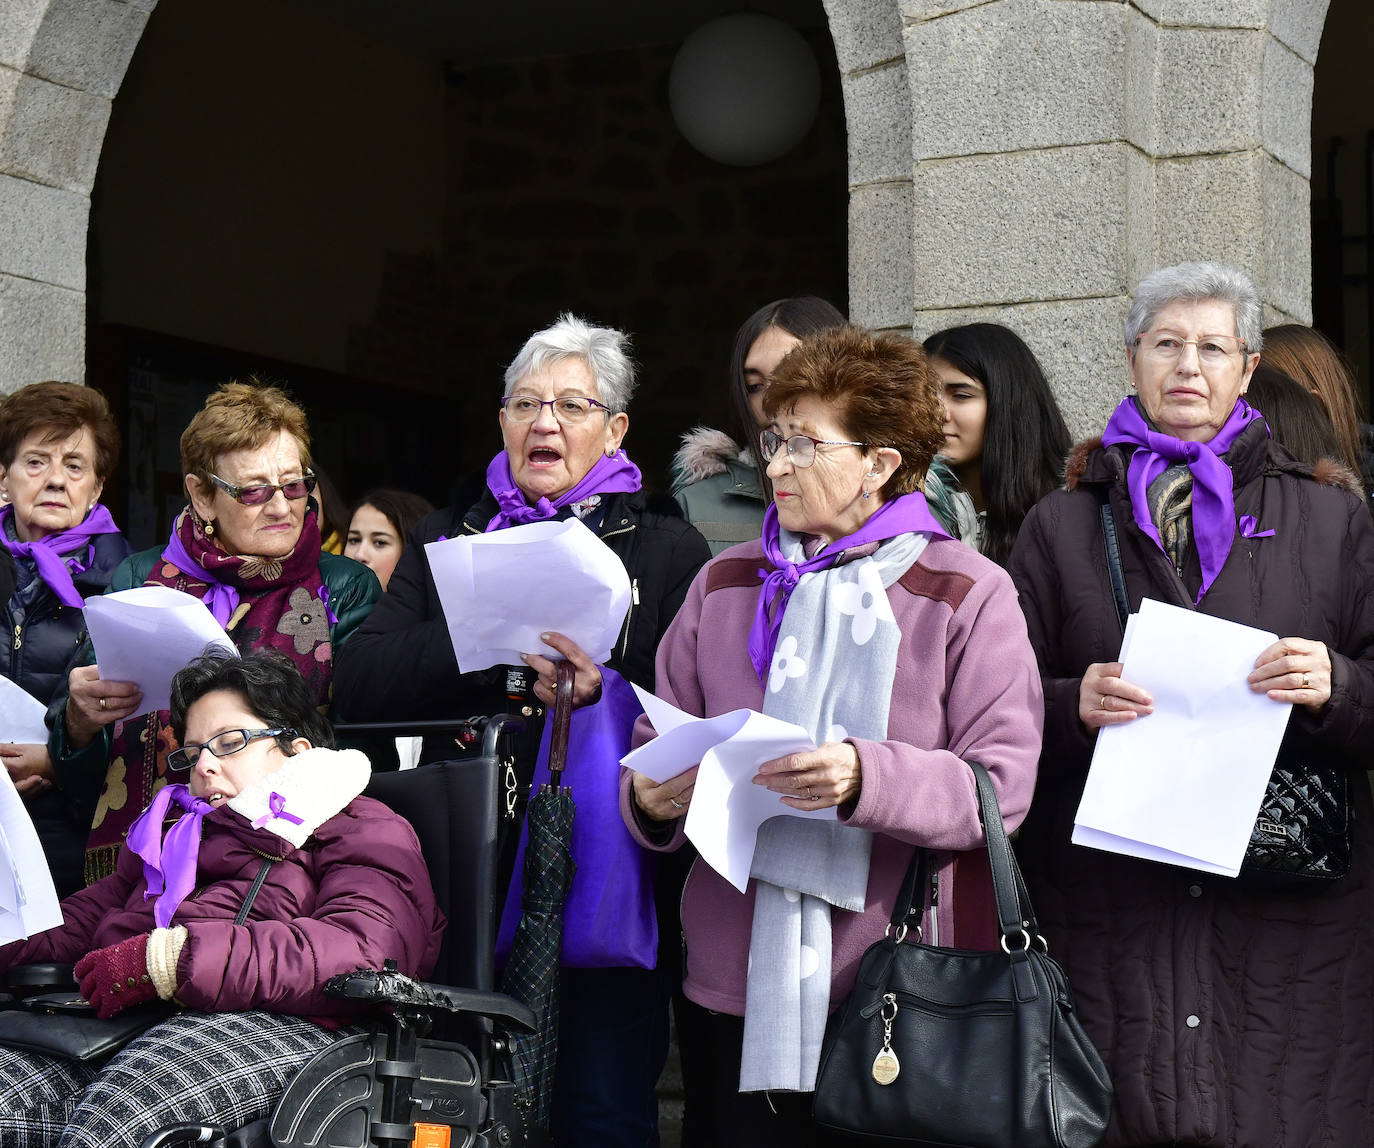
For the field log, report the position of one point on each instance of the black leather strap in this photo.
(1114, 568)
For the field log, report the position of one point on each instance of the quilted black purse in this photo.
(1302, 834)
(963, 1049)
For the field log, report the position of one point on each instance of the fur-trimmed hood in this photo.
(304, 792)
(704, 453)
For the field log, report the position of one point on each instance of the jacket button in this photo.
(1193, 1020)
(1195, 890)
(526, 711)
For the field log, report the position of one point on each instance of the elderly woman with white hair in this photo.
(563, 419)
(1229, 1012)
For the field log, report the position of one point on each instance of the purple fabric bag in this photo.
(608, 919)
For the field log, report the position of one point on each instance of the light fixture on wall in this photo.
(744, 88)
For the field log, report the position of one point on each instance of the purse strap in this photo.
(562, 722)
(1015, 916)
(1114, 568)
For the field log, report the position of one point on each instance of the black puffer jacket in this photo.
(41, 638)
(1228, 1017)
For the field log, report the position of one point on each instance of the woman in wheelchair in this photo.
(271, 820)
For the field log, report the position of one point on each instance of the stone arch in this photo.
(61, 63)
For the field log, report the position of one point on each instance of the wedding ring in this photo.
(1306, 682)
(675, 803)
(1102, 705)
(104, 705)
(809, 795)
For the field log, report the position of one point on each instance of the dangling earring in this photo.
(210, 528)
(867, 495)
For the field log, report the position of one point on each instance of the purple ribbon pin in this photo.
(276, 808)
(1249, 528)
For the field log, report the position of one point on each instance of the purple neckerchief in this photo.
(48, 552)
(1214, 507)
(276, 808)
(612, 474)
(221, 598)
(907, 514)
(169, 863)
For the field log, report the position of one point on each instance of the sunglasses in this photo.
(264, 492)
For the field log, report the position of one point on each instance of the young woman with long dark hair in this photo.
(1005, 439)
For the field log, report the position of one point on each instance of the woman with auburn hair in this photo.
(904, 654)
(1005, 439)
(1308, 357)
(248, 545)
(58, 446)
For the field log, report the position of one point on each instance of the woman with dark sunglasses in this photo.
(248, 545)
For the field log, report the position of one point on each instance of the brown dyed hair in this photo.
(881, 388)
(61, 409)
(1313, 361)
(240, 416)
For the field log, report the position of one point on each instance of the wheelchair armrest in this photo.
(389, 987)
(29, 980)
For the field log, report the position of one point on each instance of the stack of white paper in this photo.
(145, 635)
(500, 591)
(727, 808)
(28, 901)
(1183, 785)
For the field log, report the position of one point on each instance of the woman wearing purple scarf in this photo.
(563, 421)
(58, 445)
(1191, 985)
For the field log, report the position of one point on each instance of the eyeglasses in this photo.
(221, 745)
(256, 495)
(567, 409)
(1167, 347)
(801, 448)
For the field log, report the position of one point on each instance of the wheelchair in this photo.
(435, 1071)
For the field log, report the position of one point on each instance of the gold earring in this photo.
(210, 528)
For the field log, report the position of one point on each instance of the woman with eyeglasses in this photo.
(267, 823)
(563, 421)
(58, 445)
(903, 653)
(1229, 1012)
(248, 545)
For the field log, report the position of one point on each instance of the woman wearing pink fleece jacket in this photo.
(905, 655)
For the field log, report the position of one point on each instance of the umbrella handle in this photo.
(562, 721)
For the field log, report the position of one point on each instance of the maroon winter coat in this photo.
(354, 895)
(1227, 1016)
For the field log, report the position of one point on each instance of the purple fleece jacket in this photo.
(967, 688)
(355, 894)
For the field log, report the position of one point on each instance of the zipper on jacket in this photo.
(629, 619)
(934, 900)
(18, 636)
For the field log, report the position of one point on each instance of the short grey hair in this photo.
(1194, 282)
(605, 350)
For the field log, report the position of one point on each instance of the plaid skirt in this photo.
(218, 1068)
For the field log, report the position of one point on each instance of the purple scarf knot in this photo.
(907, 514)
(1214, 509)
(59, 556)
(169, 863)
(221, 599)
(276, 808)
(611, 474)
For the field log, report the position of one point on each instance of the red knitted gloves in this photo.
(116, 978)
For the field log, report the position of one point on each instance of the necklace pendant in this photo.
(886, 1066)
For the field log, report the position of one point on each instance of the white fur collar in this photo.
(313, 786)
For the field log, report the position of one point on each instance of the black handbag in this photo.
(958, 1048)
(1302, 836)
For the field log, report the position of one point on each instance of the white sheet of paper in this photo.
(21, 715)
(500, 591)
(727, 808)
(1184, 784)
(145, 635)
(28, 901)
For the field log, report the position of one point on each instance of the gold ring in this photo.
(809, 795)
(1102, 705)
(675, 803)
(103, 704)
(1306, 682)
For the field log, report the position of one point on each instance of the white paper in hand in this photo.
(500, 591)
(145, 635)
(1184, 784)
(21, 715)
(28, 901)
(727, 808)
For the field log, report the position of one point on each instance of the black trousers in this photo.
(719, 1114)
